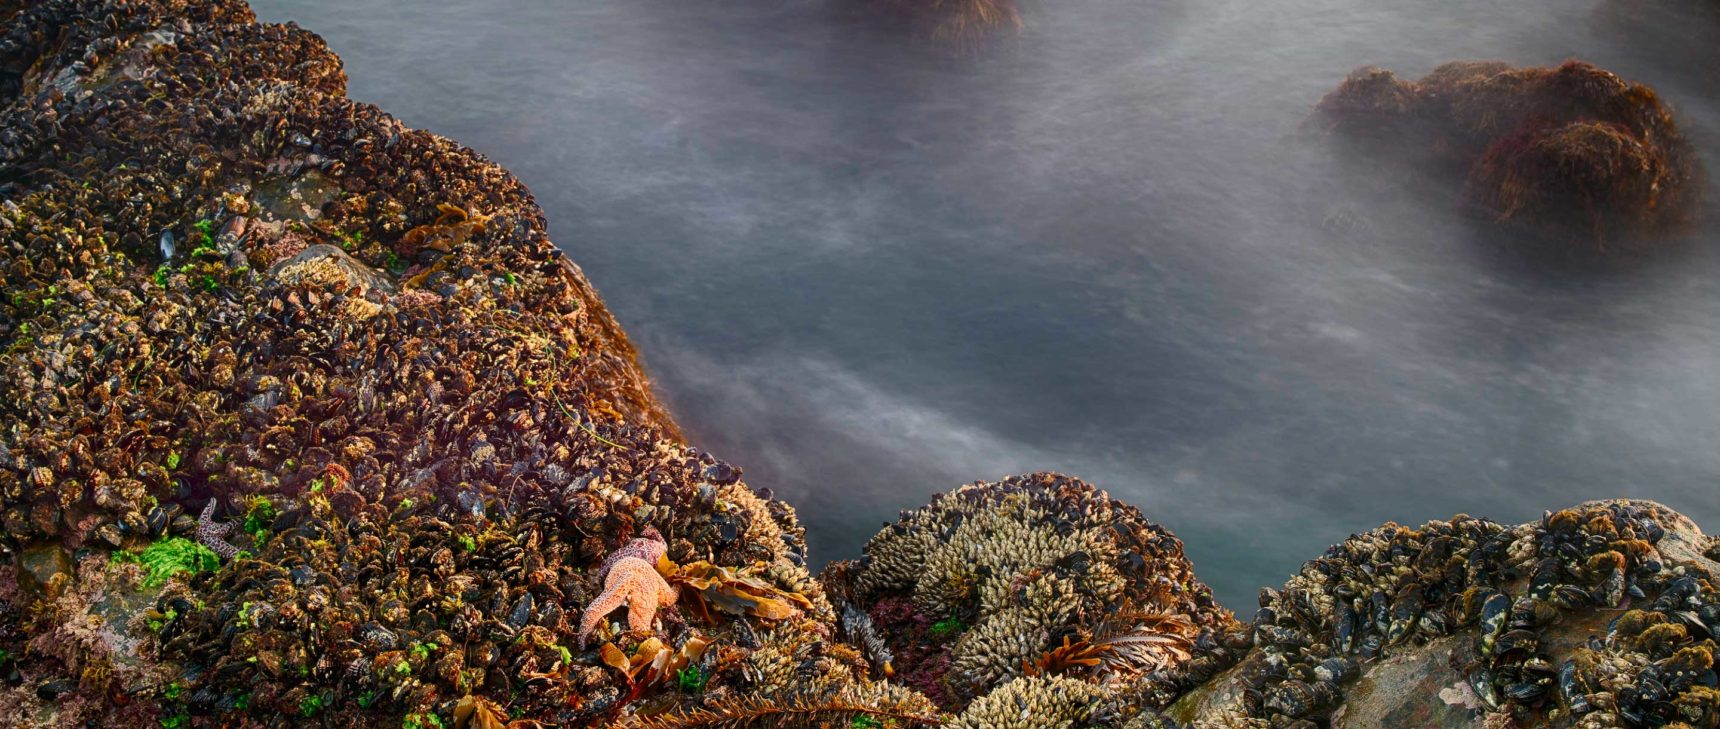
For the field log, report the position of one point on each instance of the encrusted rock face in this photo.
(1574, 150)
(1040, 576)
(1603, 615)
(350, 347)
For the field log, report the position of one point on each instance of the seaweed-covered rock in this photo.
(1573, 151)
(1039, 576)
(1603, 615)
(77, 654)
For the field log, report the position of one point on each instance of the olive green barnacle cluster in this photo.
(1038, 575)
(1035, 702)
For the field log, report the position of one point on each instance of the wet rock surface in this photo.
(328, 265)
(308, 422)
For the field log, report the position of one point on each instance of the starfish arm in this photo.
(611, 598)
(220, 529)
(666, 594)
(645, 549)
(641, 610)
(219, 546)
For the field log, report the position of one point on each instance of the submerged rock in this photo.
(1572, 151)
(961, 22)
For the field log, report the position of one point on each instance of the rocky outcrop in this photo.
(351, 349)
(1574, 152)
(1603, 615)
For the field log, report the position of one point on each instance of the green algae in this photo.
(260, 515)
(422, 721)
(691, 680)
(947, 628)
(170, 556)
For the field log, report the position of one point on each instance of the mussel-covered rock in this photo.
(307, 420)
(1594, 616)
(323, 387)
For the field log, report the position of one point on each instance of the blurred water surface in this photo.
(867, 267)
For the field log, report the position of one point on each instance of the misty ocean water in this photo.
(866, 266)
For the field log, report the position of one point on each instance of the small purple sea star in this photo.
(210, 533)
(649, 547)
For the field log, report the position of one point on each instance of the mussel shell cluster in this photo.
(1383, 588)
(147, 373)
(1501, 606)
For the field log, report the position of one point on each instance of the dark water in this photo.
(868, 267)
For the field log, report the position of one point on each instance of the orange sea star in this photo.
(633, 581)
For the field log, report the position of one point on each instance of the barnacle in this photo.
(983, 585)
(1032, 703)
(846, 707)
